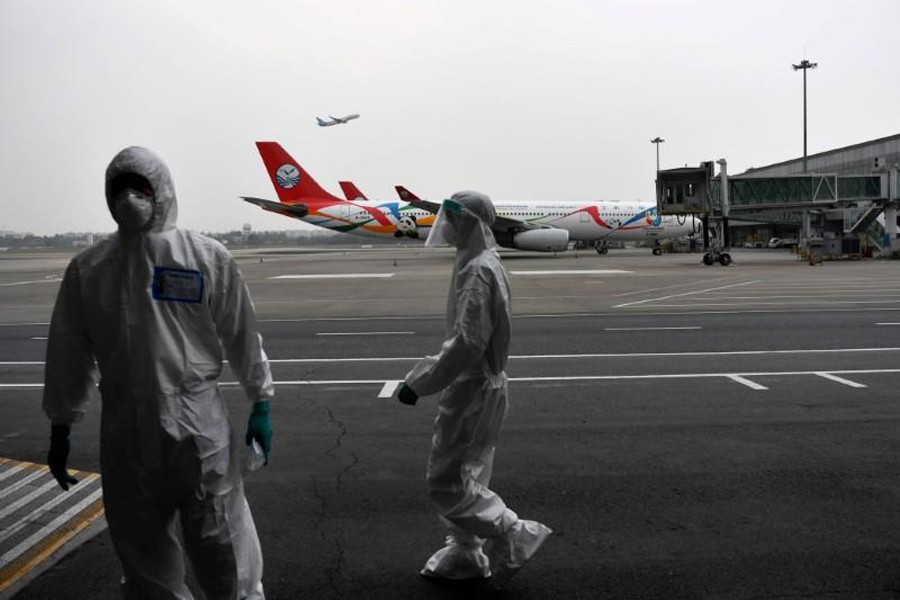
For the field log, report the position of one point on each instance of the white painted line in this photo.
(528, 357)
(805, 304)
(10, 471)
(853, 384)
(50, 527)
(337, 276)
(23, 482)
(750, 384)
(40, 338)
(28, 498)
(739, 377)
(887, 324)
(677, 285)
(370, 333)
(649, 328)
(684, 294)
(574, 272)
(389, 388)
(44, 508)
(55, 280)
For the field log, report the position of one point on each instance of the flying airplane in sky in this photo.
(535, 226)
(335, 120)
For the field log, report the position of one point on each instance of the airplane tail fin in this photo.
(405, 194)
(351, 192)
(321, 122)
(292, 183)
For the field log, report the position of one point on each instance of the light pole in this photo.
(657, 140)
(804, 66)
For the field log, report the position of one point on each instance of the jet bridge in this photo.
(695, 191)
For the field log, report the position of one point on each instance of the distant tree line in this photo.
(10, 242)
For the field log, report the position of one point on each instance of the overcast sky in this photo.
(523, 99)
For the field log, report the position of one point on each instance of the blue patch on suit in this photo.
(177, 285)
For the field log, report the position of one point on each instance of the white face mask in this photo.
(133, 210)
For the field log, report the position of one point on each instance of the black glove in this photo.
(406, 395)
(59, 454)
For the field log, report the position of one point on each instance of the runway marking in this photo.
(368, 333)
(574, 272)
(684, 294)
(55, 280)
(742, 378)
(389, 388)
(806, 301)
(39, 338)
(832, 377)
(887, 324)
(650, 328)
(677, 285)
(527, 357)
(744, 381)
(43, 520)
(337, 276)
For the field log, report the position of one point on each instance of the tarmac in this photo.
(687, 431)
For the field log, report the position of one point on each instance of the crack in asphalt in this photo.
(335, 571)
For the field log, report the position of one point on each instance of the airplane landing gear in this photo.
(715, 255)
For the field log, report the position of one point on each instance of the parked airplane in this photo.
(523, 225)
(335, 120)
(301, 197)
(535, 226)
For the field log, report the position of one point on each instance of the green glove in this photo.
(259, 427)
(59, 454)
(406, 395)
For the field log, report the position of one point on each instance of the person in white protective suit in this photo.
(484, 537)
(154, 307)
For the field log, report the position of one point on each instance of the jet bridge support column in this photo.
(723, 176)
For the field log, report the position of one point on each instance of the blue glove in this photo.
(259, 427)
(59, 454)
(406, 395)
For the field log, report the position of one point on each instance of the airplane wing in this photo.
(289, 210)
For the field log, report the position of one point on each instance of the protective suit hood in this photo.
(465, 221)
(136, 160)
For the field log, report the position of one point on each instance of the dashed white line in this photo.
(336, 276)
(574, 272)
(389, 388)
(337, 333)
(832, 377)
(744, 381)
(650, 328)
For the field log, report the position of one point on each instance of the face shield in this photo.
(445, 231)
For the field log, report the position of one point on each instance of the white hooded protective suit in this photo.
(470, 369)
(155, 308)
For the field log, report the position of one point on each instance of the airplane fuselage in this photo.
(587, 221)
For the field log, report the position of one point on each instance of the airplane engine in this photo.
(542, 240)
